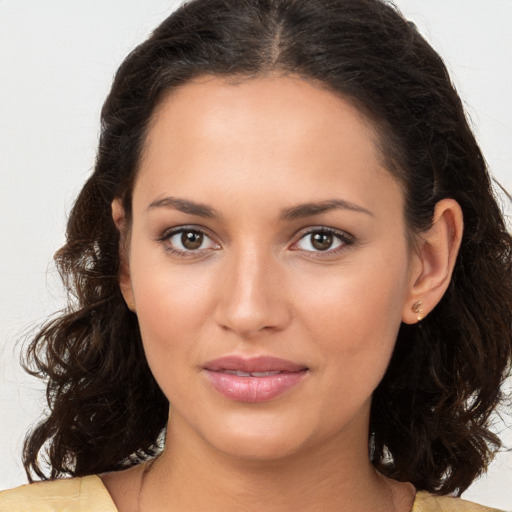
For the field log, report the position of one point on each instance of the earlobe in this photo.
(435, 258)
(125, 284)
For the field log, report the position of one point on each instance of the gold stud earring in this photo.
(417, 308)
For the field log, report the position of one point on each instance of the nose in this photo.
(252, 298)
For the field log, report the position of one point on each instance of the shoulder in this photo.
(426, 502)
(66, 495)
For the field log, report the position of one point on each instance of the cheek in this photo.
(355, 331)
(355, 315)
(355, 300)
(163, 290)
(172, 304)
(169, 319)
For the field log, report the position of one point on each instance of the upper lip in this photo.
(253, 364)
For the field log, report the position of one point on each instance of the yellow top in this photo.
(88, 494)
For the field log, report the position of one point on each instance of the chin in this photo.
(261, 437)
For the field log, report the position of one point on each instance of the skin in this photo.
(251, 151)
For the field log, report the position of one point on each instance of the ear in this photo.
(125, 283)
(433, 261)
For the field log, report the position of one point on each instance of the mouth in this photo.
(240, 373)
(253, 380)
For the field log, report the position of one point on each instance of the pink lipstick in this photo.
(257, 379)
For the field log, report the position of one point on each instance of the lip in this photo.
(253, 388)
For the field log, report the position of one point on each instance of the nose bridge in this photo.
(253, 296)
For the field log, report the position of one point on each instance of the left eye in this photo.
(321, 241)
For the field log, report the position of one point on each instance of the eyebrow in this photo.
(292, 213)
(185, 206)
(310, 209)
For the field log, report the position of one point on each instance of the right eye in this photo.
(188, 241)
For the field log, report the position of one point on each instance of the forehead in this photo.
(260, 132)
(270, 94)
(270, 105)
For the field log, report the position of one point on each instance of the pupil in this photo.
(322, 241)
(191, 240)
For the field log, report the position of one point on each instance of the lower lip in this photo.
(254, 389)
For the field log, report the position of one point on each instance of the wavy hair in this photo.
(430, 415)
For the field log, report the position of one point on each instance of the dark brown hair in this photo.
(430, 414)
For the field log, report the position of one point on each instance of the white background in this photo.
(57, 59)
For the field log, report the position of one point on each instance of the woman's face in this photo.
(268, 265)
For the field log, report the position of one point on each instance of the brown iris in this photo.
(191, 240)
(321, 241)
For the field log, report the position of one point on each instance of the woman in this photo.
(292, 278)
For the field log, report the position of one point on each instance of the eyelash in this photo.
(345, 240)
